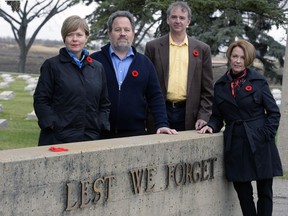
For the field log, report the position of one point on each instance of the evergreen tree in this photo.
(216, 22)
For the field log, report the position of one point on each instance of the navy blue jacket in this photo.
(251, 122)
(129, 104)
(71, 104)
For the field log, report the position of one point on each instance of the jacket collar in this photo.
(64, 55)
(225, 89)
(66, 58)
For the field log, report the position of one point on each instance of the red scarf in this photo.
(237, 81)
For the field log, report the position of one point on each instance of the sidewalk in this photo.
(280, 196)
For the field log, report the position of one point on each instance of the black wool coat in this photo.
(251, 120)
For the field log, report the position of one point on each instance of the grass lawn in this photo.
(20, 132)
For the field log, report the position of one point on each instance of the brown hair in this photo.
(72, 23)
(247, 47)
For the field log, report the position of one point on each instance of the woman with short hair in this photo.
(244, 104)
(71, 97)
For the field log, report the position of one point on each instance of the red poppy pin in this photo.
(89, 59)
(195, 53)
(248, 88)
(135, 73)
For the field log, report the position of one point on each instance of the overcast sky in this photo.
(51, 30)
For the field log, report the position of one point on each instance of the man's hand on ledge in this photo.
(166, 130)
(199, 124)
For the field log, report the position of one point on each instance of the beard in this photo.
(122, 47)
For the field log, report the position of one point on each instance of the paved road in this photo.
(280, 197)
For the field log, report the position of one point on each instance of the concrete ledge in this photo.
(147, 175)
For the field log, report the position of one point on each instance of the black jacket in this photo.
(71, 103)
(251, 123)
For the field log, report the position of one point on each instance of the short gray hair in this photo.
(183, 5)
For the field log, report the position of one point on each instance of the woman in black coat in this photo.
(71, 97)
(244, 103)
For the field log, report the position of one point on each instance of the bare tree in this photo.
(26, 13)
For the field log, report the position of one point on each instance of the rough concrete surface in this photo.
(155, 175)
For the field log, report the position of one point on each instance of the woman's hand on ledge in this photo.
(166, 130)
(205, 129)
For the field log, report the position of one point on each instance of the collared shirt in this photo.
(178, 70)
(121, 66)
(75, 59)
